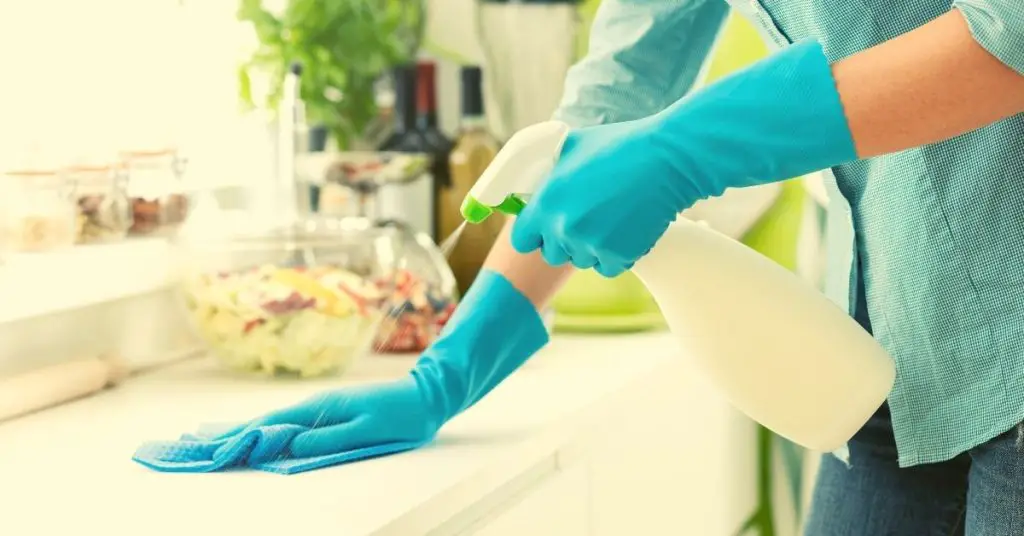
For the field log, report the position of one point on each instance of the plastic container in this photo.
(104, 210)
(155, 185)
(38, 213)
(303, 299)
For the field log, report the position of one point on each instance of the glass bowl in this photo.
(423, 294)
(303, 299)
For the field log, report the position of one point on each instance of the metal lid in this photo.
(32, 175)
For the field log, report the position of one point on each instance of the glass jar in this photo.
(104, 210)
(38, 213)
(156, 188)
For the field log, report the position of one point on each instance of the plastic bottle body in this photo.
(776, 348)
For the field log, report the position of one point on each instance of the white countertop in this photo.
(69, 470)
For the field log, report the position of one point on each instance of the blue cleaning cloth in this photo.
(494, 330)
(264, 448)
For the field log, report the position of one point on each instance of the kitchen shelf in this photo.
(34, 285)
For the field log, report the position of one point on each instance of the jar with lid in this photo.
(104, 209)
(38, 212)
(155, 187)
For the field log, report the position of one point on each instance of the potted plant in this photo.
(343, 45)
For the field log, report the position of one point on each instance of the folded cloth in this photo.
(264, 448)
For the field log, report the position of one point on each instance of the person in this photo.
(916, 110)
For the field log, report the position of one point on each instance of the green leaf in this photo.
(245, 87)
(342, 44)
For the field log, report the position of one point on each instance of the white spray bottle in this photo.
(774, 346)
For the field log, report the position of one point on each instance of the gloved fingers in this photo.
(553, 253)
(582, 258)
(330, 440)
(609, 269)
(526, 235)
(326, 409)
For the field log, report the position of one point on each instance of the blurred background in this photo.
(277, 183)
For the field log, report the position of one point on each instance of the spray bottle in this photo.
(770, 343)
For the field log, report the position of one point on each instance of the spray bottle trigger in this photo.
(512, 205)
(476, 212)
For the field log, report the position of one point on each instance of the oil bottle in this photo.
(475, 148)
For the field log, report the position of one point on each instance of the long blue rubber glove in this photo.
(494, 331)
(616, 188)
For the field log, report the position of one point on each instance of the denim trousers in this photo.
(978, 493)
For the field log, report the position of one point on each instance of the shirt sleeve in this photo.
(643, 55)
(998, 26)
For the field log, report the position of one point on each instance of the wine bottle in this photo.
(475, 148)
(412, 203)
(440, 146)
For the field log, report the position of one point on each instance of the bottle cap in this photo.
(404, 83)
(472, 91)
(426, 81)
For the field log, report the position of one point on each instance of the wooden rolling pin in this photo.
(57, 384)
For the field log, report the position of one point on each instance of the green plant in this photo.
(343, 45)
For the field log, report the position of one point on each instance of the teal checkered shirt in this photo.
(931, 239)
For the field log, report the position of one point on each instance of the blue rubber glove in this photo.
(616, 188)
(494, 330)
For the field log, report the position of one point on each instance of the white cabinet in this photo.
(680, 462)
(558, 505)
(671, 459)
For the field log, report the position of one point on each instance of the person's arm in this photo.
(643, 55)
(957, 73)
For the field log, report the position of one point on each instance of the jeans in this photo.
(979, 493)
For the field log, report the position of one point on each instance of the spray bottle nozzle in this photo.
(476, 212)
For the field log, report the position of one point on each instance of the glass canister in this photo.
(156, 188)
(38, 212)
(104, 209)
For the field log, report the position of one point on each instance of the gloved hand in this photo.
(494, 330)
(617, 187)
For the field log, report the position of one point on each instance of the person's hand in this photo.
(616, 188)
(493, 331)
(609, 198)
(352, 418)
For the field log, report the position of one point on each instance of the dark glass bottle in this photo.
(427, 124)
(404, 136)
(413, 203)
